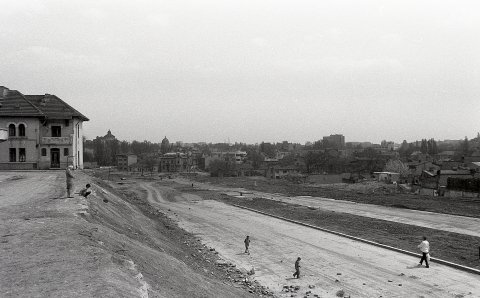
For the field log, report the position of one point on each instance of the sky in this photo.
(251, 70)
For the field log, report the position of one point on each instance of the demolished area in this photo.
(104, 246)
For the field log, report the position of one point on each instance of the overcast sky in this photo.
(251, 71)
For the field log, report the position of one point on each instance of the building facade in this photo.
(176, 162)
(125, 161)
(337, 141)
(44, 132)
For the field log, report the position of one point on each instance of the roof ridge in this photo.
(40, 111)
(69, 106)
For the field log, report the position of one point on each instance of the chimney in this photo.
(3, 91)
(44, 99)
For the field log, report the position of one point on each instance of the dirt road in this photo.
(329, 262)
(445, 222)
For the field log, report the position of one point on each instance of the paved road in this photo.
(330, 262)
(444, 222)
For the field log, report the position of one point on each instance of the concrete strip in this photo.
(440, 261)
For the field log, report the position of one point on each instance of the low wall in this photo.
(18, 166)
(448, 193)
(461, 194)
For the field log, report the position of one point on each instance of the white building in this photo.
(43, 131)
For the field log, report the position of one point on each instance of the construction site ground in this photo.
(102, 246)
(160, 237)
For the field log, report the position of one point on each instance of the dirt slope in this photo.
(51, 246)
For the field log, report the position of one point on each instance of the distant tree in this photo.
(268, 149)
(424, 146)
(396, 166)
(432, 147)
(465, 146)
(288, 160)
(254, 157)
(150, 163)
(221, 167)
(88, 156)
(99, 151)
(403, 148)
(371, 153)
(124, 147)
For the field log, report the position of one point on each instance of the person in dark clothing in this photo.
(297, 268)
(247, 244)
(86, 191)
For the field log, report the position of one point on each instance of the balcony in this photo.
(56, 141)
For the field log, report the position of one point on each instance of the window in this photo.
(44, 151)
(21, 130)
(22, 155)
(56, 131)
(13, 155)
(65, 151)
(11, 130)
(67, 122)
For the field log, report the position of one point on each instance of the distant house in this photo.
(417, 168)
(351, 177)
(445, 174)
(450, 165)
(418, 156)
(125, 161)
(277, 172)
(176, 162)
(439, 178)
(44, 132)
(388, 177)
(428, 179)
(446, 155)
(475, 166)
(236, 157)
(474, 157)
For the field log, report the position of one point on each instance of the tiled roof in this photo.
(15, 104)
(54, 108)
(452, 172)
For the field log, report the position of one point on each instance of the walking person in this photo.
(297, 268)
(69, 174)
(247, 244)
(424, 248)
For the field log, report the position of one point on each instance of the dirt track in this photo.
(331, 263)
(446, 222)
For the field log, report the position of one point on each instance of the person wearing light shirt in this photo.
(425, 249)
